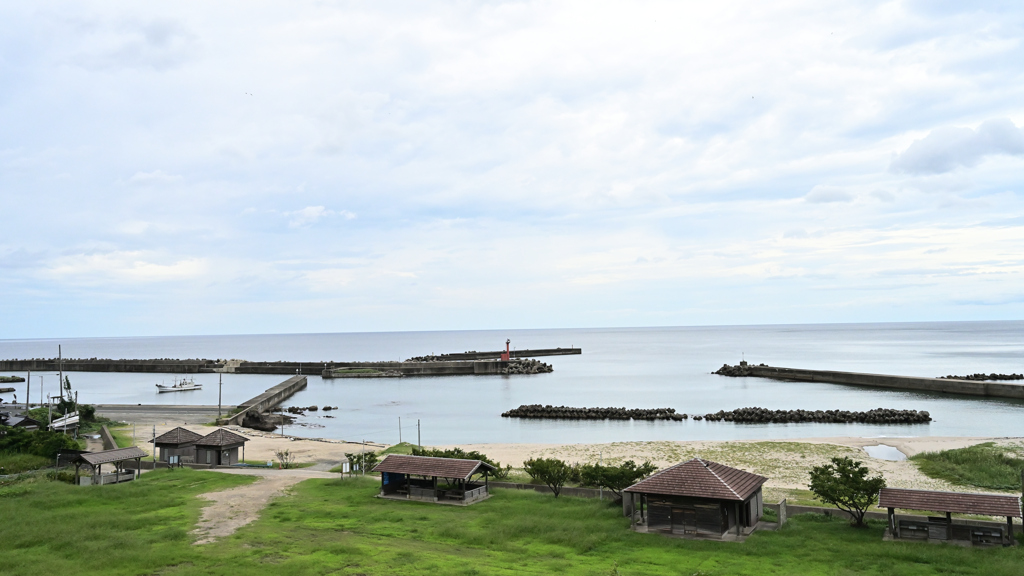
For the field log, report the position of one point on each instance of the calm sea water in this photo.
(628, 367)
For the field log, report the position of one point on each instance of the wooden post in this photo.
(892, 522)
(738, 528)
(949, 525)
(1009, 530)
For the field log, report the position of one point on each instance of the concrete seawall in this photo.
(454, 368)
(272, 397)
(942, 385)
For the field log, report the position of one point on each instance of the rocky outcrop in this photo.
(527, 366)
(876, 416)
(571, 413)
(743, 369)
(985, 377)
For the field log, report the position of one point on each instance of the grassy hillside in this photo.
(981, 466)
(337, 527)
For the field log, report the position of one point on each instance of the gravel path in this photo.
(231, 509)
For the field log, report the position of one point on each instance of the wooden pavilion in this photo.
(697, 498)
(96, 460)
(417, 478)
(177, 446)
(220, 448)
(942, 528)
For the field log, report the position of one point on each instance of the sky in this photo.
(268, 167)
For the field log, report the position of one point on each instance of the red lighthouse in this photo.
(506, 356)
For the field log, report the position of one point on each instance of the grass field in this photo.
(338, 527)
(14, 463)
(982, 466)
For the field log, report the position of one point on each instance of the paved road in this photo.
(148, 414)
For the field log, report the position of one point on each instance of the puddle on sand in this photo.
(884, 452)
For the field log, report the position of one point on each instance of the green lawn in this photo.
(337, 526)
(982, 466)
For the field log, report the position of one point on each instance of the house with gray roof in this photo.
(220, 448)
(177, 446)
(431, 479)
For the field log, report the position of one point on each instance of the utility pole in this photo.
(28, 390)
(600, 485)
(154, 446)
(362, 458)
(60, 366)
(418, 443)
(220, 390)
(41, 386)
(399, 429)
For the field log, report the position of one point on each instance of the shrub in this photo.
(551, 471)
(844, 483)
(500, 473)
(367, 459)
(615, 478)
(38, 442)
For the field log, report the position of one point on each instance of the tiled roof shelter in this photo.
(416, 478)
(949, 503)
(178, 437)
(96, 460)
(177, 446)
(697, 497)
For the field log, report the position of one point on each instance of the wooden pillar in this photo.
(739, 529)
(382, 484)
(949, 525)
(100, 474)
(487, 487)
(138, 468)
(892, 522)
(1009, 530)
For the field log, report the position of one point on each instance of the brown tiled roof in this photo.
(116, 455)
(701, 479)
(963, 503)
(430, 466)
(178, 436)
(221, 437)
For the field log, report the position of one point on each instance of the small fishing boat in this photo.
(182, 385)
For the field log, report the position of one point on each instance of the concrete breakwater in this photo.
(876, 416)
(984, 377)
(493, 355)
(453, 368)
(571, 413)
(921, 384)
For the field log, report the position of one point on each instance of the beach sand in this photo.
(786, 463)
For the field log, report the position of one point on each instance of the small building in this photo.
(430, 479)
(220, 448)
(177, 446)
(697, 498)
(19, 421)
(116, 457)
(932, 528)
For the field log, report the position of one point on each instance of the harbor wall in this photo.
(943, 385)
(272, 397)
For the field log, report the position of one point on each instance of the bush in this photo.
(367, 459)
(500, 473)
(844, 483)
(38, 442)
(983, 465)
(551, 471)
(615, 478)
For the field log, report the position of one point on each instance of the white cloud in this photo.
(154, 177)
(312, 214)
(946, 149)
(826, 194)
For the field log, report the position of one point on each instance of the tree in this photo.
(499, 473)
(844, 483)
(284, 457)
(551, 471)
(361, 460)
(616, 478)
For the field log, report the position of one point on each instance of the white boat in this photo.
(182, 385)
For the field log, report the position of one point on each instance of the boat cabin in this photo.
(697, 498)
(430, 479)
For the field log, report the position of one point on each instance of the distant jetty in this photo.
(948, 385)
(462, 363)
(11, 379)
(741, 415)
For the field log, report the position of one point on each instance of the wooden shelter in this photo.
(177, 446)
(943, 528)
(696, 498)
(19, 421)
(220, 448)
(96, 460)
(417, 478)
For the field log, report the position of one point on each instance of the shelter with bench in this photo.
(178, 446)
(934, 528)
(116, 457)
(431, 479)
(220, 448)
(697, 498)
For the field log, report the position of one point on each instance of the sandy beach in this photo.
(785, 462)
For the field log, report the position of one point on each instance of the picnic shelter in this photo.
(431, 479)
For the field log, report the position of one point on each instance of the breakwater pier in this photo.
(922, 384)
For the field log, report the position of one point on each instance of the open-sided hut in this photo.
(116, 457)
(220, 448)
(19, 421)
(177, 446)
(943, 528)
(696, 498)
(430, 479)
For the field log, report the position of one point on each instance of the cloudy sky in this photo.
(247, 167)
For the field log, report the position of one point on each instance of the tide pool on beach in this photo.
(623, 367)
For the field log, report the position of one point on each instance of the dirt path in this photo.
(231, 509)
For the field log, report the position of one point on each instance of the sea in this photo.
(621, 367)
